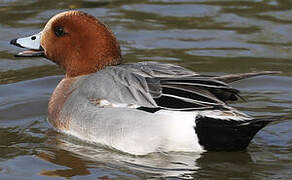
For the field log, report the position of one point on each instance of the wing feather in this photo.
(154, 86)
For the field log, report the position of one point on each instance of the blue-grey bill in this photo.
(32, 43)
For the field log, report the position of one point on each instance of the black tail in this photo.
(228, 135)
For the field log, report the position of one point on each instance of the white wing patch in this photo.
(103, 103)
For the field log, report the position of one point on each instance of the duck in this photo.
(136, 108)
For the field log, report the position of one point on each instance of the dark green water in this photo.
(208, 36)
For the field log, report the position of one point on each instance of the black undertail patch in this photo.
(227, 135)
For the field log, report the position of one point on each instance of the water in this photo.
(208, 36)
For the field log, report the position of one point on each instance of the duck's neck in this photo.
(84, 67)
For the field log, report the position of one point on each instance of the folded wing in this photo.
(152, 86)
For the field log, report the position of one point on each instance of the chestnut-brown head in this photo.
(78, 42)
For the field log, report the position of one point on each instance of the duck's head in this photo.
(78, 42)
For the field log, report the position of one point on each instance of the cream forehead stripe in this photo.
(68, 14)
(49, 23)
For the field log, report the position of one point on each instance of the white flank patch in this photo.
(181, 135)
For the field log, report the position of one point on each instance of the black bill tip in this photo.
(14, 42)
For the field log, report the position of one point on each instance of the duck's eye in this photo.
(59, 31)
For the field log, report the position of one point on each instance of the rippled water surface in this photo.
(208, 36)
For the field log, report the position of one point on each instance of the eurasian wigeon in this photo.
(135, 108)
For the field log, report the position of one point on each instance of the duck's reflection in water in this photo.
(80, 159)
(227, 164)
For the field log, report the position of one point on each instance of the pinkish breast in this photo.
(57, 101)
